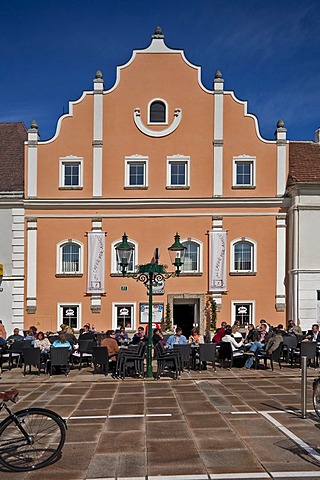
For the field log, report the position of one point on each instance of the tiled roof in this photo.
(12, 136)
(304, 162)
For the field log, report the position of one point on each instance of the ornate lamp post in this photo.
(150, 274)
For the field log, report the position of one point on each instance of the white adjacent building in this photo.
(12, 137)
(304, 233)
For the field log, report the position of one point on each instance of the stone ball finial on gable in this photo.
(99, 74)
(34, 125)
(280, 124)
(158, 33)
(218, 74)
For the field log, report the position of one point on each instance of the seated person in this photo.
(293, 328)
(260, 340)
(15, 337)
(314, 334)
(219, 333)
(176, 339)
(228, 337)
(121, 336)
(43, 343)
(140, 336)
(70, 336)
(61, 342)
(87, 334)
(250, 333)
(30, 336)
(195, 337)
(113, 348)
(158, 337)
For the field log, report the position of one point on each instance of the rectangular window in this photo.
(243, 312)
(69, 314)
(71, 172)
(244, 172)
(178, 171)
(123, 316)
(136, 172)
(137, 176)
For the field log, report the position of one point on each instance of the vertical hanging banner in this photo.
(217, 261)
(96, 261)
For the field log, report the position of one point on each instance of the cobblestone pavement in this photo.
(229, 424)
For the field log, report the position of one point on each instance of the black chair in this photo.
(275, 356)
(52, 338)
(32, 357)
(100, 356)
(167, 359)
(59, 357)
(290, 342)
(207, 353)
(84, 352)
(225, 354)
(131, 358)
(184, 352)
(14, 353)
(99, 337)
(306, 349)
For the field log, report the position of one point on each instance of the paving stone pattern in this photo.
(202, 426)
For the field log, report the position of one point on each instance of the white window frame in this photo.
(233, 310)
(166, 113)
(200, 255)
(253, 257)
(114, 263)
(136, 159)
(178, 159)
(59, 249)
(60, 316)
(64, 161)
(244, 159)
(132, 305)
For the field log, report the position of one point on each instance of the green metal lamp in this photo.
(177, 252)
(124, 254)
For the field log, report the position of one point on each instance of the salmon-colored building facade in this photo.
(156, 154)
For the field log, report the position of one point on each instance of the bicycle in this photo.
(31, 438)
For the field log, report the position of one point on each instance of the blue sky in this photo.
(268, 52)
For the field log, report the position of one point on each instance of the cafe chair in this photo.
(59, 357)
(167, 359)
(14, 354)
(184, 352)
(32, 357)
(207, 353)
(84, 352)
(100, 357)
(275, 356)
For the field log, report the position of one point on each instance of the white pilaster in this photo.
(18, 267)
(218, 136)
(33, 138)
(97, 134)
(281, 136)
(281, 263)
(32, 265)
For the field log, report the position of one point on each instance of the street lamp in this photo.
(150, 274)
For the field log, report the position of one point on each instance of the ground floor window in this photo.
(69, 314)
(123, 316)
(243, 312)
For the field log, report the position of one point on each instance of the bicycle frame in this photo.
(27, 437)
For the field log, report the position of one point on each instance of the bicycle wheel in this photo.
(316, 396)
(46, 436)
